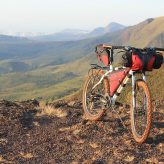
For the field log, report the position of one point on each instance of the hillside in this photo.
(14, 66)
(52, 53)
(58, 133)
(143, 34)
(57, 69)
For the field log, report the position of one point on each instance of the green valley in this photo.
(51, 70)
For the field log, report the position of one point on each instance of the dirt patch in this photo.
(26, 137)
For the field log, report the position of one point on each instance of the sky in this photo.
(51, 16)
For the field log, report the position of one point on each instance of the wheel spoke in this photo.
(140, 118)
(141, 112)
(94, 98)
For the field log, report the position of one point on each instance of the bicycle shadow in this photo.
(155, 140)
(158, 124)
(29, 118)
(158, 138)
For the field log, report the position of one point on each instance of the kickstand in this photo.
(116, 112)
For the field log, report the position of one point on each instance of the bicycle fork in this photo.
(133, 90)
(134, 87)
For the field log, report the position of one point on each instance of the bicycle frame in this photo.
(105, 84)
(119, 89)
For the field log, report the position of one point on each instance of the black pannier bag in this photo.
(103, 55)
(146, 61)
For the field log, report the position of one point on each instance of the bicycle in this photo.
(104, 85)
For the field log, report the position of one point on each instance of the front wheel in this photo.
(94, 101)
(141, 112)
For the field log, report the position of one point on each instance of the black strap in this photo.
(145, 57)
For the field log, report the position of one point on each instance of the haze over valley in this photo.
(56, 64)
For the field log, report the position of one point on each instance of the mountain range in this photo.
(75, 34)
(48, 70)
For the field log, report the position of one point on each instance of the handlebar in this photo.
(128, 48)
(159, 49)
(110, 49)
(113, 47)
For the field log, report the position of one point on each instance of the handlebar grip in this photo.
(159, 49)
(107, 46)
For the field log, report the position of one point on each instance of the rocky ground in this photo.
(59, 134)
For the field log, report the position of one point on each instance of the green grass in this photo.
(39, 84)
(50, 93)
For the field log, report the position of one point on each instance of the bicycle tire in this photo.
(140, 137)
(88, 114)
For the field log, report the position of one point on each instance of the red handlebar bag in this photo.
(142, 62)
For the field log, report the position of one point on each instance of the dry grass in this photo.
(2, 159)
(129, 158)
(3, 141)
(27, 155)
(74, 128)
(49, 110)
(94, 145)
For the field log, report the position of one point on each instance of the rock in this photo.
(71, 103)
(94, 145)
(129, 158)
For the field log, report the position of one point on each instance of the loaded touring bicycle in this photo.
(104, 85)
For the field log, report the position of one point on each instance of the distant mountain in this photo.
(23, 34)
(108, 29)
(74, 31)
(75, 34)
(146, 33)
(65, 35)
(6, 38)
(113, 26)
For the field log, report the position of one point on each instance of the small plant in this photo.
(50, 110)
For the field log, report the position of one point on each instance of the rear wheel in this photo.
(94, 101)
(141, 112)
